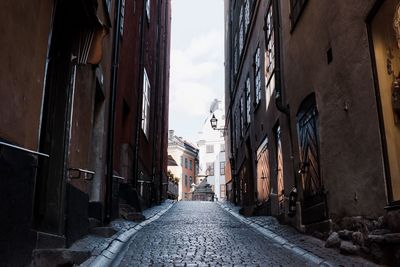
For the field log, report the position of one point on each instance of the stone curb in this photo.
(280, 240)
(107, 257)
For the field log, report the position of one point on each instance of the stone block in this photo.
(349, 248)
(392, 238)
(333, 241)
(392, 221)
(376, 238)
(358, 238)
(345, 234)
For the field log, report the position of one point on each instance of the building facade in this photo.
(212, 151)
(59, 124)
(311, 108)
(141, 116)
(186, 155)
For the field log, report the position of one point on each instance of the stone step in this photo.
(93, 222)
(58, 257)
(103, 231)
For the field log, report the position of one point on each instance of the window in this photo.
(241, 31)
(242, 116)
(222, 168)
(237, 126)
(181, 160)
(108, 3)
(296, 7)
(222, 148)
(246, 15)
(186, 180)
(121, 26)
(248, 100)
(236, 55)
(190, 181)
(222, 193)
(257, 76)
(210, 168)
(191, 165)
(186, 163)
(270, 52)
(209, 148)
(148, 9)
(146, 104)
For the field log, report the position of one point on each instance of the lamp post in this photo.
(214, 123)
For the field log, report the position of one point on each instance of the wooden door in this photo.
(314, 203)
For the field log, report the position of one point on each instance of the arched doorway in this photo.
(314, 208)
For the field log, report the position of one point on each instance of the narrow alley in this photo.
(199, 133)
(204, 234)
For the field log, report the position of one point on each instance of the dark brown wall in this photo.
(25, 30)
(351, 154)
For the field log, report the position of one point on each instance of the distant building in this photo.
(212, 151)
(186, 156)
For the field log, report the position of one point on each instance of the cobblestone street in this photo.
(203, 234)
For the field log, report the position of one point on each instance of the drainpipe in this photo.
(165, 76)
(111, 122)
(140, 96)
(278, 95)
(156, 122)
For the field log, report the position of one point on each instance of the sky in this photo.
(197, 64)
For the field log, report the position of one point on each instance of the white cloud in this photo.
(196, 76)
(197, 63)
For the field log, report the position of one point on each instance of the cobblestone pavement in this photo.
(97, 244)
(203, 234)
(306, 242)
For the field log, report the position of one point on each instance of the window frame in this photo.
(257, 78)
(146, 103)
(222, 168)
(148, 6)
(296, 10)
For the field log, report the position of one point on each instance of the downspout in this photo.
(230, 112)
(164, 78)
(156, 121)
(278, 95)
(111, 123)
(140, 96)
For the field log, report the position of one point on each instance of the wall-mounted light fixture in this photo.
(214, 123)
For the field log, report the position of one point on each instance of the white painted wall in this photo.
(208, 136)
